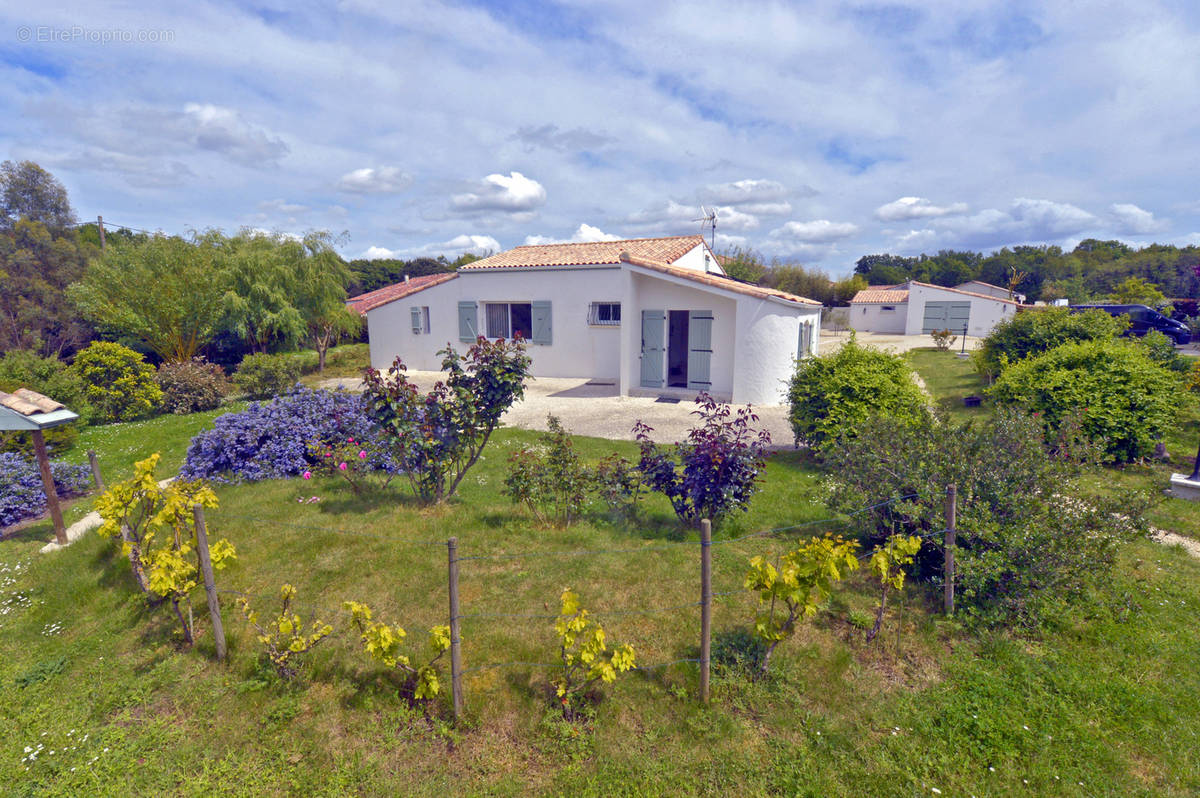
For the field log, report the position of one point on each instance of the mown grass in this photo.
(1106, 703)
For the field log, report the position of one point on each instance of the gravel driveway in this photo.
(597, 411)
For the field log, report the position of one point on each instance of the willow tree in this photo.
(321, 294)
(165, 292)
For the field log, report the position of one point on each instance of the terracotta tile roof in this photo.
(657, 249)
(715, 280)
(885, 296)
(29, 403)
(966, 293)
(381, 296)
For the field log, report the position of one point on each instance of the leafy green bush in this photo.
(1162, 351)
(1126, 400)
(191, 386)
(1031, 332)
(264, 376)
(1028, 545)
(549, 479)
(831, 397)
(49, 376)
(118, 382)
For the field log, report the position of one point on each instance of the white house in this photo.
(650, 316)
(915, 308)
(980, 287)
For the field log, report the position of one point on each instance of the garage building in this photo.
(916, 308)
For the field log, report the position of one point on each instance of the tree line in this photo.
(172, 297)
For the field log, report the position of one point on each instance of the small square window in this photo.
(508, 320)
(888, 308)
(604, 314)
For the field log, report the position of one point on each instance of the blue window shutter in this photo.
(542, 328)
(699, 365)
(468, 322)
(653, 332)
(416, 321)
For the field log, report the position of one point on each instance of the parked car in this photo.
(1143, 319)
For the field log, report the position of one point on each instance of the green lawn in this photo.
(1107, 704)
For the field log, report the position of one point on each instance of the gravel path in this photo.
(595, 409)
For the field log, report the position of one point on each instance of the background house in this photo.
(916, 308)
(648, 316)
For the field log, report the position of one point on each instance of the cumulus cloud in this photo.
(374, 180)
(551, 138)
(915, 241)
(585, 233)
(513, 193)
(474, 244)
(1135, 220)
(907, 208)
(819, 231)
(1046, 219)
(223, 130)
(380, 253)
(668, 214)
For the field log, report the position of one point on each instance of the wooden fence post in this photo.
(705, 605)
(455, 639)
(951, 537)
(43, 459)
(210, 587)
(96, 478)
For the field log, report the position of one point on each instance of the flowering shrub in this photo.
(714, 471)
(49, 376)
(552, 484)
(618, 483)
(21, 494)
(191, 386)
(436, 438)
(353, 459)
(118, 382)
(271, 440)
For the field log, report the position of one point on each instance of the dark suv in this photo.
(1144, 319)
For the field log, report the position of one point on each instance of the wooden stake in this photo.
(705, 605)
(455, 640)
(210, 587)
(96, 478)
(100, 224)
(951, 537)
(39, 448)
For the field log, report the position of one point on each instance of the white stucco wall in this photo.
(577, 349)
(671, 293)
(871, 317)
(768, 339)
(694, 259)
(985, 313)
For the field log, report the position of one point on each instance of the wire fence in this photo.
(485, 617)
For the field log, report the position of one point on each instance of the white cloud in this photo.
(380, 253)
(767, 208)
(377, 180)
(1045, 218)
(818, 231)
(669, 214)
(733, 219)
(585, 233)
(474, 244)
(223, 130)
(742, 191)
(907, 208)
(511, 194)
(1135, 220)
(915, 241)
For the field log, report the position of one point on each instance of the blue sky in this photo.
(819, 131)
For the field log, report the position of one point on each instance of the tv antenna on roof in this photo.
(709, 219)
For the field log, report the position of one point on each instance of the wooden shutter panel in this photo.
(653, 330)
(699, 375)
(416, 321)
(468, 322)
(542, 329)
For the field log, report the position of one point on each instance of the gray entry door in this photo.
(653, 324)
(699, 373)
(950, 316)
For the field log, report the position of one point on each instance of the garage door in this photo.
(951, 316)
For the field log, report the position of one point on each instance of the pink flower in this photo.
(342, 467)
(362, 455)
(307, 475)
(352, 440)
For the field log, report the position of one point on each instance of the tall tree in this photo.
(36, 267)
(165, 292)
(321, 293)
(28, 191)
(264, 280)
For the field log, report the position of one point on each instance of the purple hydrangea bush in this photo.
(21, 494)
(276, 439)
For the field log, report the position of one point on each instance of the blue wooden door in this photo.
(653, 324)
(699, 363)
